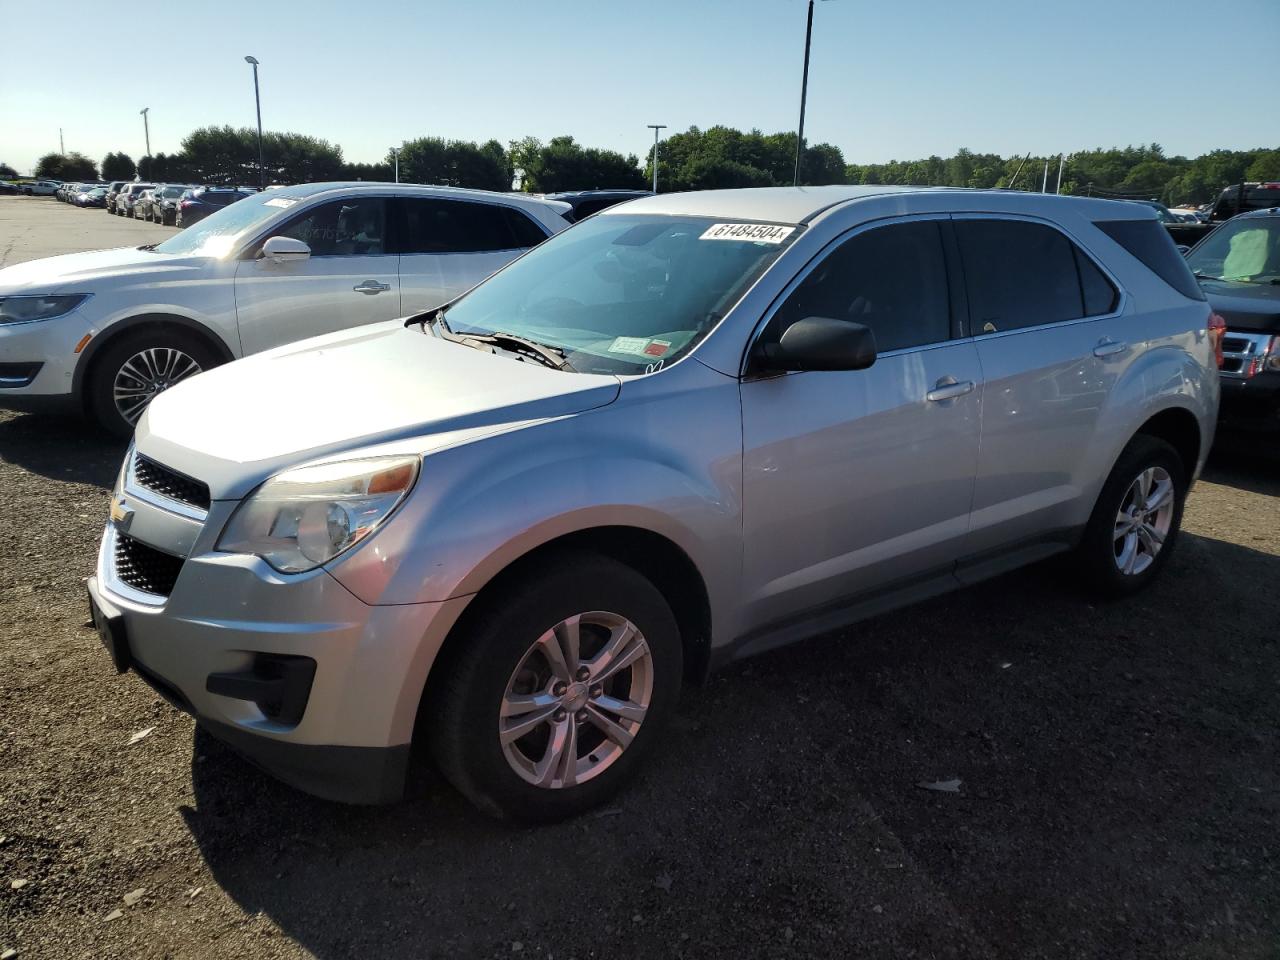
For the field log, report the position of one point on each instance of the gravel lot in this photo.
(1119, 798)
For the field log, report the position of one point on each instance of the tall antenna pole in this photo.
(804, 92)
(1044, 184)
(146, 128)
(1018, 171)
(62, 147)
(1062, 159)
(655, 127)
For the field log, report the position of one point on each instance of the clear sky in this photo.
(889, 79)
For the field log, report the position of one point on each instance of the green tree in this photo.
(455, 163)
(564, 164)
(7, 172)
(722, 155)
(118, 166)
(230, 155)
(70, 166)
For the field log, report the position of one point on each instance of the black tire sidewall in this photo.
(465, 728)
(99, 397)
(1097, 549)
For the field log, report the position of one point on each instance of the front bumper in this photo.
(349, 739)
(49, 345)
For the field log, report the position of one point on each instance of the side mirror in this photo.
(1183, 249)
(823, 343)
(285, 249)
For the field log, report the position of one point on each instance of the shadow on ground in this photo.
(1118, 798)
(61, 448)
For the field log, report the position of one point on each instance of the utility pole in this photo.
(395, 153)
(146, 128)
(62, 147)
(655, 127)
(257, 102)
(804, 92)
(1044, 184)
(1062, 159)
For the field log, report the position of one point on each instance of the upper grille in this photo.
(169, 483)
(145, 568)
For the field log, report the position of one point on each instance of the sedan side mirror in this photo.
(1183, 249)
(823, 343)
(285, 249)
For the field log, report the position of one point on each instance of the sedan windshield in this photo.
(219, 233)
(622, 293)
(1245, 251)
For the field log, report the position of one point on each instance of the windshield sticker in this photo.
(280, 202)
(750, 232)
(657, 348)
(638, 346)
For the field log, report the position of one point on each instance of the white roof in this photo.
(802, 204)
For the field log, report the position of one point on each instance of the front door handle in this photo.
(371, 287)
(1109, 348)
(948, 388)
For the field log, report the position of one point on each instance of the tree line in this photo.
(696, 159)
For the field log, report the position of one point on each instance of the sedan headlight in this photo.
(24, 309)
(302, 518)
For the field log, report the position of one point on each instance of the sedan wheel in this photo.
(147, 374)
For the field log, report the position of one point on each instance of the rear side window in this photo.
(459, 226)
(1150, 243)
(1020, 274)
(892, 279)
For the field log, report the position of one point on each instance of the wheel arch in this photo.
(656, 557)
(1178, 427)
(132, 325)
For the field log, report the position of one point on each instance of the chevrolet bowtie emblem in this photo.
(121, 512)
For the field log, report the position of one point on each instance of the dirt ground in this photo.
(1119, 791)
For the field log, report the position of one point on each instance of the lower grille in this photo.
(146, 568)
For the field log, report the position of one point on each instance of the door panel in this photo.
(282, 302)
(430, 279)
(852, 481)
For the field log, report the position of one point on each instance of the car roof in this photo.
(804, 204)
(304, 190)
(1264, 212)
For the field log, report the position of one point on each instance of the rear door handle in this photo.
(371, 287)
(1109, 348)
(948, 388)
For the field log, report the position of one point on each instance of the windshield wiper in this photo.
(547, 354)
(148, 246)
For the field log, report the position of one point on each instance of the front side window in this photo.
(1242, 251)
(1020, 274)
(892, 279)
(340, 228)
(461, 226)
(624, 293)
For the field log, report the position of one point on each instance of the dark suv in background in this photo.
(197, 204)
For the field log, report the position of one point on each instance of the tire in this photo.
(1121, 565)
(497, 657)
(109, 365)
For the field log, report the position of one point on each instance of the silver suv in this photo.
(686, 430)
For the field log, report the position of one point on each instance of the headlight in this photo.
(24, 309)
(302, 518)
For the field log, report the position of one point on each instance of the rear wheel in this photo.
(135, 369)
(1136, 520)
(558, 691)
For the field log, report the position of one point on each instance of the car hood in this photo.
(385, 384)
(1245, 306)
(78, 272)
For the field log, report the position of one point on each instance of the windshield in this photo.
(1246, 251)
(624, 293)
(173, 191)
(220, 232)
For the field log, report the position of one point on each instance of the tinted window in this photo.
(892, 279)
(1099, 295)
(1150, 243)
(1018, 274)
(341, 228)
(459, 226)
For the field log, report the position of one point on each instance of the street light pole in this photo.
(146, 128)
(804, 91)
(395, 152)
(655, 127)
(257, 102)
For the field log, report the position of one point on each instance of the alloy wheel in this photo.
(1144, 520)
(577, 700)
(146, 374)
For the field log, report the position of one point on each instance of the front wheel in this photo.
(135, 369)
(1135, 522)
(559, 689)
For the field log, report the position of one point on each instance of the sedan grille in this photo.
(169, 483)
(146, 568)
